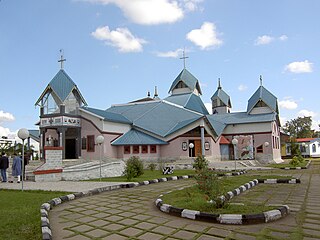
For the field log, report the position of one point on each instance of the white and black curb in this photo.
(297, 168)
(46, 207)
(236, 219)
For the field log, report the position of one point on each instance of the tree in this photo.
(299, 127)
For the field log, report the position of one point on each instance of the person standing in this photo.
(16, 166)
(4, 164)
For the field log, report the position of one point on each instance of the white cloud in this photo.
(147, 12)
(242, 88)
(209, 107)
(283, 38)
(192, 5)
(172, 54)
(205, 37)
(299, 67)
(120, 38)
(288, 104)
(6, 117)
(283, 120)
(4, 131)
(306, 113)
(263, 40)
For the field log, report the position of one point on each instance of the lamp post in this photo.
(99, 141)
(191, 146)
(23, 134)
(235, 143)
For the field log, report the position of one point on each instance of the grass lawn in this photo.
(148, 175)
(20, 213)
(192, 198)
(283, 165)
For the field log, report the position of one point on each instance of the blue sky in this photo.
(117, 50)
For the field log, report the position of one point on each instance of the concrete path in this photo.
(64, 186)
(131, 214)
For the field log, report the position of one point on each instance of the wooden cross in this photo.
(61, 59)
(184, 58)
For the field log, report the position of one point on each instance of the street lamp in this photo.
(23, 134)
(235, 143)
(99, 141)
(266, 144)
(191, 146)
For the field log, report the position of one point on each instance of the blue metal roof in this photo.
(109, 116)
(35, 135)
(62, 85)
(187, 78)
(164, 117)
(160, 118)
(223, 96)
(217, 125)
(264, 95)
(135, 137)
(189, 101)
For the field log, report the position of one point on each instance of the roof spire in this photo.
(260, 80)
(184, 57)
(148, 94)
(61, 58)
(219, 83)
(155, 93)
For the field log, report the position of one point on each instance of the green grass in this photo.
(283, 165)
(20, 213)
(192, 198)
(148, 175)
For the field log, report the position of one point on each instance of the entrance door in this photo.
(70, 148)
(197, 147)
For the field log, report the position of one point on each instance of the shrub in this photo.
(134, 168)
(296, 160)
(210, 185)
(200, 163)
(152, 166)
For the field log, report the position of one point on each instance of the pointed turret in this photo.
(262, 101)
(221, 102)
(185, 82)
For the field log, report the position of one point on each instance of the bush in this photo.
(296, 160)
(210, 185)
(152, 166)
(134, 168)
(200, 163)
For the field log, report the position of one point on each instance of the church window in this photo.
(90, 143)
(260, 149)
(314, 148)
(83, 143)
(135, 149)
(144, 149)
(181, 85)
(126, 150)
(261, 104)
(153, 149)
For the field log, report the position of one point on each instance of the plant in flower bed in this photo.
(134, 168)
(203, 196)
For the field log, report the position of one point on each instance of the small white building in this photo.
(309, 147)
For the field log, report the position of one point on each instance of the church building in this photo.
(175, 128)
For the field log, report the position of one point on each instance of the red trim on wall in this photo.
(49, 171)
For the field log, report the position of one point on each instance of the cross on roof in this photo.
(61, 59)
(260, 80)
(184, 57)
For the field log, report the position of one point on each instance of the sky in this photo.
(118, 50)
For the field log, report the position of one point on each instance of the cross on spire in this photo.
(260, 80)
(184, 57)
(61, 59)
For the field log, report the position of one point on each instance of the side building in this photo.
(175, 128)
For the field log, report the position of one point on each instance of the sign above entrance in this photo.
(60, 121)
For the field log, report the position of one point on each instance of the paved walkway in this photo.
(131, 214)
